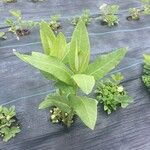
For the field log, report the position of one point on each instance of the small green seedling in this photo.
(3, 36)
(68, 65)
(9, 1)
(19, 27)
(146, 71)
(135, 13)
(85, 18)
(109, 14)
(8, 123)
(54, 23)
(112, 94)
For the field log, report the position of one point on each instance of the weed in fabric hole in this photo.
(68, 65)
(85, 18)
(9, 126)
(54, 23)
(136, 13)
(109, 15)
(112, 94)
(19, 26)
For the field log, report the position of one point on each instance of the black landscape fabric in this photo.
(25, 87)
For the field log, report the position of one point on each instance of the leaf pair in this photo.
(55, 46)
(84, 107)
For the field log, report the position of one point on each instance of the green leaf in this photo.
(103, 64)
(85, 82)
(9, 132)
(48, 64)
(53, 100)
(47, 37)
(79, 49)
(85, 108)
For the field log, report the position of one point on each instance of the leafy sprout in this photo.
(3, 36)
(68, 65)
(19, 27)
(54, 22)
(85, 18)
(109, 14)
(112, 94)
(8, 123)
(146, 71)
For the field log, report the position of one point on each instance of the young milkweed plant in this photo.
(112, 94)
(67, 64)
(146, 71)
(85, 18)
(19, 27)
(136, 13)
(9, 126)
(109, 14)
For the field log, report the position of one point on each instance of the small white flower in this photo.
(120, 89)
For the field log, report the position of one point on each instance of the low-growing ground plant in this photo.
(136, 13)
(19, 26)
(54, 22)
(68, 65)
(146, 71)
(3, 36)
(109, 14)
(9, 1)
(9, 126)
(112, 94)
(85, 18)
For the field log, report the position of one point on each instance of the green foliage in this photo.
(112, 94)
(8, 124)
(2, 35)
(19, 27)
(54, 22)
(146, 7)
(109, 14)
(146, 71)
(68, 65)
(9, 1)
(85, 18)
(134, 13)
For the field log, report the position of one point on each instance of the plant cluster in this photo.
(19, 27)
(54, 23)
(109, 14)
(135, 13)
(85, 18)
(67, 64)
(9, 1)
(3, 36)
(146, 71)
(8, 123)
(111, 93)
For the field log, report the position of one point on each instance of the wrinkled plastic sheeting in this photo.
(25, 87)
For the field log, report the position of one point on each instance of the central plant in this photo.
(67, 64)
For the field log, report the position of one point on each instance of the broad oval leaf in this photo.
(47, 37)
(105, 63)
(53, 100)
(79, 48)
(85, 108)
(48, 64)
(85, 82)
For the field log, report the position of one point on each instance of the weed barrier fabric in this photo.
(25, 87)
